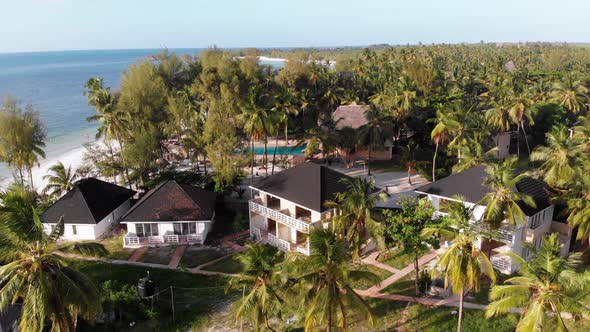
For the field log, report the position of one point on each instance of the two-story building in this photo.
(288, 205)
(508, 237)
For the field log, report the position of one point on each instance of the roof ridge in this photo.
(150, 193)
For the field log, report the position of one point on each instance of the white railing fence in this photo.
(280, 217)
(502, 263)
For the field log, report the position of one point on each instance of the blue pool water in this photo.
(281, 150)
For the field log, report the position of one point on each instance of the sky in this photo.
(42, 25)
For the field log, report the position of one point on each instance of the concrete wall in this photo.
(502, 141)
(83, 232)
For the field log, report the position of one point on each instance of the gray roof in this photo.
(468, 184)
(171, 201)
(352, 115)
(89, 202)
(309, 185)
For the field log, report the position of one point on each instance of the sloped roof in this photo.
(89, 202)
(171, 201)
(352, 115)
(309, 185)
(468, 184)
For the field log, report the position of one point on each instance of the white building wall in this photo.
(502, 141)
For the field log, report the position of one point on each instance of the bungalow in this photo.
(509, 238)
(354, 116)
(288, 205)
(170, 213)
(89, 210)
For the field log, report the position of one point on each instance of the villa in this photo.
(354, 116)
(170, 213)
(288, 205)
(508, 238)
(89, 210)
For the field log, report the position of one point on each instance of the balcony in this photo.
(282, 216)
(282, 245)
(500, 261)
(503, 234)
(131, 240)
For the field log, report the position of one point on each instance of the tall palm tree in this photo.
(372, 134)
(520, 111)
(548, 285)
(260, 280)
(356, 215)
(257, 121)
(60, 180)
(325, 277)
(463, 264)
(35, 274)
(577, 199)
(445, 126)
(560, 157)
(503, 202)
(570, 93)
(474, 152)
(409, 158)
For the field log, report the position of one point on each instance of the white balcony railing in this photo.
(502, 263)
(503, 234)
(131, 240)
(279, 243)
(304, 249)
(299, 225)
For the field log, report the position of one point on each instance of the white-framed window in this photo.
(185, 228)
(74, 230)
(144, 230)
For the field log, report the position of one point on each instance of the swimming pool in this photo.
(281, 150)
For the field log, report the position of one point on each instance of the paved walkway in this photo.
(137, 254)
(372, 260)
(228, 240)
(177, 256)
(401, 273)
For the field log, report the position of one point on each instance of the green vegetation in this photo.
(195, 256)
(404, 286)
(227, 265)
(114, 246)
(158, 255)
(397, 258)
(363, 284)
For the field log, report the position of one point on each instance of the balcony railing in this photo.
(503, 234)
(131, 240)
(298, 224)
(502, 263)
(279, 243)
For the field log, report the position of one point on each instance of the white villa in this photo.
(287, 205)
(170, 213)
(509, 238)
(89, 210)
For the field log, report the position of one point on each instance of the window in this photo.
(185, 228)
(74, 230)
(139, 230)
(143, 230)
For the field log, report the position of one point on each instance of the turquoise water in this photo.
(281, 150)
(53, 82)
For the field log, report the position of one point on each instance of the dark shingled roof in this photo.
(352, 115)
(468, 184)
(171, 201)
(89, 202)
(309, 185)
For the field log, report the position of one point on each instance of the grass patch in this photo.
(385, 166)
(158, 255)
(397, 258)
(196, 255)
(366, 283)
(404, 286)
(193, 307)
(114, 245)
(228, 265)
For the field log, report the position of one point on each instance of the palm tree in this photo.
(257, 122)
(409, 158)
(37, 275)
(445, 126)
(503, 202)
(474, 153)
(521, 111)
(60, 180)
(570, 93)
(372, 134)
(462, 263)
(577, 199)
(560, 158)
(356, 215)
(325, 277)
(548, 285)
(260, 280)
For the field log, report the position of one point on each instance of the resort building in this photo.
(288, 205)
(508, 238)
(355, 116)
(89, 210)
(170, 213)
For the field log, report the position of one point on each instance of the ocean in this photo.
(53, 82)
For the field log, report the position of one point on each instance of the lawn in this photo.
(397, 258)
(387, 166)
(158, 255)
(228, 265)
(404, 286)
(114, 245)
(197, 255)
(366, 283)
(193, 306)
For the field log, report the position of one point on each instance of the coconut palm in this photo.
(372, 134)
(547, 286)
(59, 180)
(520, 111)
(504, 202)
(445, 125)
(257, 122)
(356, 215)
(260, 281)
(570, 93)
(560, 157)
(463, 264)
(409, 158)
(577, 199)
(325, 278)
(473, 153)
(35, 274)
